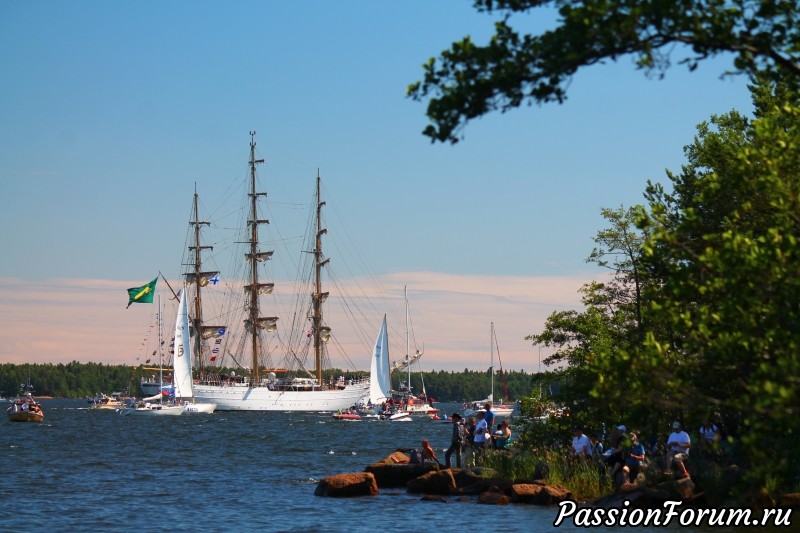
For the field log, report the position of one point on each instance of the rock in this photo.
(396, 458)
(552, 495)
(493, 498)
(437, 482)
(347, 485)
(465, 478)
(398, 475)
(525, 492)
(539, 493)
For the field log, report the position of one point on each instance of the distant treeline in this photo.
(77, 380)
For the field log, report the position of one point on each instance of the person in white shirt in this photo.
(708, 434)
(678, 444)
(480, 430)
(581, 445)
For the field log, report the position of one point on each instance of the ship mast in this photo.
(200, 279)
(198, 282)
(254, 256)
(321, 333)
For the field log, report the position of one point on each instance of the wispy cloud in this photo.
(63, 320)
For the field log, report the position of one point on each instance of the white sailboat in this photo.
(182, 363)
(380, 386)
(154, 405)
(380, 390)
(499, 409)
(259, 389)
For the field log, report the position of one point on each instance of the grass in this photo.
(586, 480)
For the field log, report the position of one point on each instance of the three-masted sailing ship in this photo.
(258, 388)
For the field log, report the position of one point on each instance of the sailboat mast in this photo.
(198, 283)
(319, 296)
(408, 354)
(491, 349)
(253, 257)
(160, 354)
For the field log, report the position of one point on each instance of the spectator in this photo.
(678, 444)
(581, 445)
(457, 441)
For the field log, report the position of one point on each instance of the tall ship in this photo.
(265, 370)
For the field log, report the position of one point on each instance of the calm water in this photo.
(89, 470)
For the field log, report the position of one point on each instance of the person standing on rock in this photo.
(456, 442)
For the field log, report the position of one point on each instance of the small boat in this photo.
(25, 410)
(346, 415)
(395, 415)
(107, 402)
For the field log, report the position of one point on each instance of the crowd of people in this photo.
(627, 454)
(623, 454)
(470, 438)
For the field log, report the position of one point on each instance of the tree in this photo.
(726, 245)
(513, 68)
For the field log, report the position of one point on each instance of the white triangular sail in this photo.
(182, 360)
(379, 381)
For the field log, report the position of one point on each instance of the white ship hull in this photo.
(240, 397)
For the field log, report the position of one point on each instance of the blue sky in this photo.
(112, 113)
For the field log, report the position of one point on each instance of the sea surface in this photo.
(94, 470)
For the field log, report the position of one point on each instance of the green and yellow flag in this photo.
(143, 294)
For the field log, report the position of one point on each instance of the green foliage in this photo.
(700, 319)
(726, 245)
(73, 380)
(469, 80)
(585, 479)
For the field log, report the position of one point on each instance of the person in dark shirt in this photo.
(457, 441)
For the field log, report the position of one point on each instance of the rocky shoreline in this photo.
(436, 483)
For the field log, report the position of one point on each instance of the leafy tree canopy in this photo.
(470, 80)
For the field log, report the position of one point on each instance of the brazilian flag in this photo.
(143, 294)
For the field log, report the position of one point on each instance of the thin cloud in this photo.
(63, 320)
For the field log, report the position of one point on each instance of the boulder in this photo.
(525, 492)
(396, 458)
(465, 478)
(398, 475)
(539, 493)
(493, 498)
(436, 482)
(347, 485)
